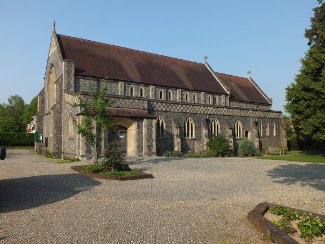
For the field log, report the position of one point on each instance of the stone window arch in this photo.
(71, 126)
(215, 127)
(161, 94)
(261, 129)
(131, 91)
(210, 99)
(238, 129)
(51, 88)
(161, 127)
(170, 95)
(189, 128)
(267, 130)
(274, 130)
(194, 97)
(141, 92)
(186, 97)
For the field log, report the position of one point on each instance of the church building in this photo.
(160, 103)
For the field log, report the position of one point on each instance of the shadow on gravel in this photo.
(308, 174)
(35, 191)
(155, 160)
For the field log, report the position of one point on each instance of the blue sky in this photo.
(266, 37)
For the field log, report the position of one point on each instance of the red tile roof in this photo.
(101, 60)
(242, 89)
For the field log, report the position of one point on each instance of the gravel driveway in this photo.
(188, 201)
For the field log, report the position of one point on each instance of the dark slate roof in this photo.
(242, 89)
(123, 112)
(94, 59)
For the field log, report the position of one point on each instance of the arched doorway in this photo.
(119, 134)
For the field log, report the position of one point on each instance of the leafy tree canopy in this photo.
(30, 111)
(306, 96)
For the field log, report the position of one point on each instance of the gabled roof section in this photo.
(94, 59)
(243, 89)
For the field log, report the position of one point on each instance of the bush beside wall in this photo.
(16, 139)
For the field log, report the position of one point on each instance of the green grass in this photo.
(95, 168)
(60, 161)
(299, 156)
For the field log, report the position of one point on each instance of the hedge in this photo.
(16, 139)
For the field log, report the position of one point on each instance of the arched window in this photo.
(274, 130)
(210, 99)
(161, 127)
(189, 128)
(186, 97)
(141, 92)
(215, 127)
(267, 130)
(238, 130)
(217, 100)
(170, 95)
(194, 98)
(51, 88)
(161, 94)
(71, 128)
(131, 91)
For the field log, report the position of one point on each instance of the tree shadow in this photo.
(30, 192)
(153, 160)
(306, 174)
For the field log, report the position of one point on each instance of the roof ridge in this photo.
(135, 50)
(233, 75)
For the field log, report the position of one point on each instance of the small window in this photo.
(141, 92)
(238, 130)
(161, 94)
(189, 128)
(70, 128)
(170, 95)
(261, 129)
(274, 130)
(267, 130)
(217, 100)
(131, 91)
(194, 98)
(215, 127)
(161, 127)
(186, 97)
(210, 99)
(246, 134)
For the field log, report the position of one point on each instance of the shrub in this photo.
(247, 148)
(47, 154)
(207, 154)
(176, 154)
(113, 158)
(192, 154)
(16, 139)
(167, 154)
(219, 145)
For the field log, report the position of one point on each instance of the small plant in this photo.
(207, 154)
(71, 159)
(47, 154)
(285, 212)
(285, 225)
(247, 148)
(113, 159)
(219, 145)
(167, 154)
(310, 226)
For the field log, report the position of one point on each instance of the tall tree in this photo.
(30, 111)
(306, 96)
(11, 115)
(95, 116)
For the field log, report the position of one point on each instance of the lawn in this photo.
(299, 156)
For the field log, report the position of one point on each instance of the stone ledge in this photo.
(141, 175)
(256, 217)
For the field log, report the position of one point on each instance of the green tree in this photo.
(30, 111)
(95, 116)
(11, 115)
(306, 96)
(218, 145)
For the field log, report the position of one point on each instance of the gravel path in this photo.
(189, 201)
